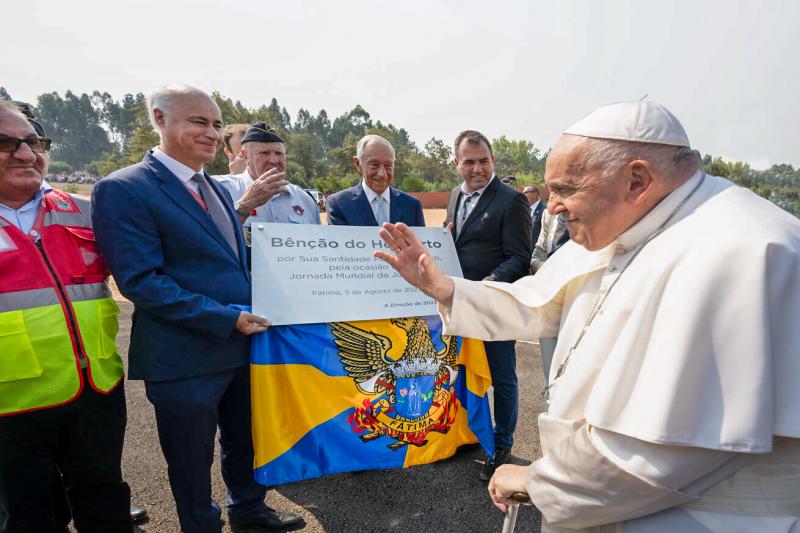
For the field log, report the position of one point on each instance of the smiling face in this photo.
(594, 207)
(190, 129)
(376, 166)
(475, 163)
(21, 172)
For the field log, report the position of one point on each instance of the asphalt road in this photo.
(442, 497)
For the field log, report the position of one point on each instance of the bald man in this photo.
(175, 246)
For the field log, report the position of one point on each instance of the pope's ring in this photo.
(396, 250)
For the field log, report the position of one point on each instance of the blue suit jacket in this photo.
(350, 207)
(171, 261)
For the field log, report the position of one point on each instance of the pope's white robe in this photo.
(680, 408)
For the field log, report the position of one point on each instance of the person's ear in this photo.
(639, 181)
(357, 163)
(158, 115)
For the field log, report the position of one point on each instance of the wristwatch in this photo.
(242, 211)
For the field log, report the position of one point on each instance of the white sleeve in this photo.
(598, 477)
(480, 311)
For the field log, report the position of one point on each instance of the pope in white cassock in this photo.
(675, 386)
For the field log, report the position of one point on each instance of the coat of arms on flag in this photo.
(364, 395)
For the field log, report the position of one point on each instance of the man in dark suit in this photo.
(173, 242)
(537, 207)
(373, 201)
(491, 226)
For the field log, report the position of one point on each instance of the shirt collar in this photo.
(478, 191)
(371, 195)
(637, 233)
(181, 171)
(535, 205)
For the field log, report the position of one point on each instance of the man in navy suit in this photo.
(373, 201)
(173, 242)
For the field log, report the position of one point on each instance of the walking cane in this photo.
(510, 521)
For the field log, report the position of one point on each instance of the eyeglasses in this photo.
(10, 145)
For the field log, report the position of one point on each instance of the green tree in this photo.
(117, 118)
(58, 167)
(73, 124)
(515, 157)
(353, 123)
(434, 166)
(306, 151)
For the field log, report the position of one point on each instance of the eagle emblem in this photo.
(412, 394)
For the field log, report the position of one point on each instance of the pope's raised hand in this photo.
(411, 260)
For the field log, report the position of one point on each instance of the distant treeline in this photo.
(97, 134)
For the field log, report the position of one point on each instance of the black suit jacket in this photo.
(496, 237)
(536, 219)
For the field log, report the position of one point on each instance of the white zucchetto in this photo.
(645, 122)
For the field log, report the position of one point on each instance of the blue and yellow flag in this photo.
(364, 395)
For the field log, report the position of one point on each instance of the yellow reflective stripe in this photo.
(14, 301)
(88, 291)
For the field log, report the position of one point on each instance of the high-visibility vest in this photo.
(57, 315)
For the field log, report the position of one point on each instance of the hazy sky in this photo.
(729, 70)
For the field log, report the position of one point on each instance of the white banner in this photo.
(307, 273)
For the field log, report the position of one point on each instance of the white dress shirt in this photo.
(534, 206)
(181, 171)
(372, 197)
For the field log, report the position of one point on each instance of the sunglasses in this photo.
(10, 145)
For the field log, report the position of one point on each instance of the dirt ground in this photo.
(443, 497)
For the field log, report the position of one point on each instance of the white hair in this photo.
(164, 97)
(609, 156)
(372, 138)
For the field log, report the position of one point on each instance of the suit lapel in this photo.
(483, 202)
(394, 206)
(452, 205)
(178, 193)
